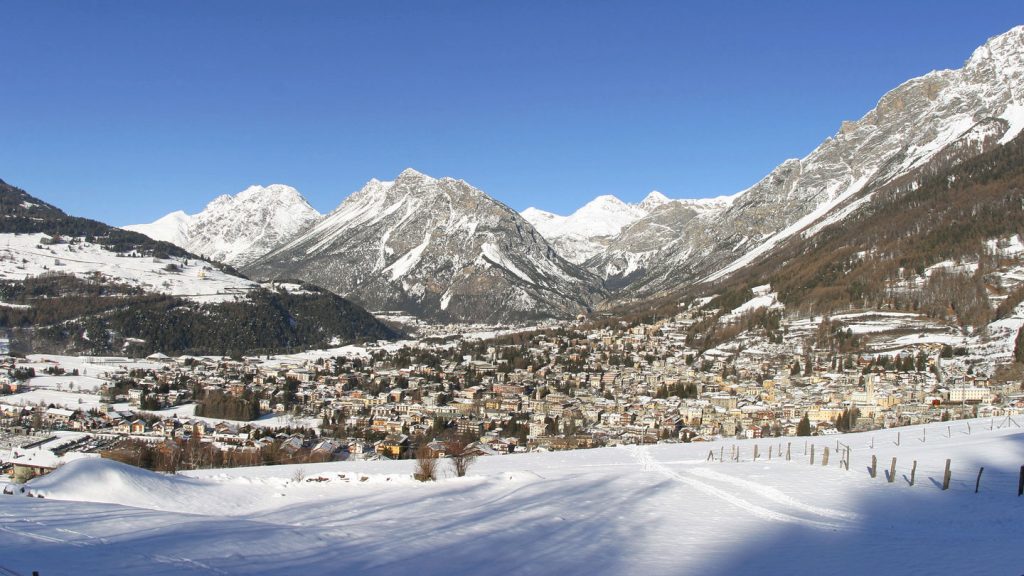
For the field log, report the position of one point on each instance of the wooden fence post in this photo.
(977, 483)
(790, 445)
(755, 452)
(913, 472)
(946, 477)
(769, 451)
(824, 457)
(1020, 483)
(721, 453)
(874, 465)
(892, 470)
(924, 434)
(812, 454)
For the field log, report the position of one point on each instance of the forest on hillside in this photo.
(59, 312)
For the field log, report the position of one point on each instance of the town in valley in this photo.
(582, 384)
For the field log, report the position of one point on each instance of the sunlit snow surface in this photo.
(631, 510)
(25, 255)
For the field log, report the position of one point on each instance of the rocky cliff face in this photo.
(966, 110)
(436, 248)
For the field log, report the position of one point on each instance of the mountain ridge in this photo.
(436, 247)
(909, 126)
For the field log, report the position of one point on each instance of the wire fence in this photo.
(879, 456)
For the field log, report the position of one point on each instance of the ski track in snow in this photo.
(775, 495)
(179, 561)
(642, 455)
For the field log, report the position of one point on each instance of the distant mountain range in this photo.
(441, 249)
(435, 248)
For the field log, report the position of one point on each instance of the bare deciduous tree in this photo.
(426, 464)
(461, 454)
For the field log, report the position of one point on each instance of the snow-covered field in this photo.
(660, 509)
(188, 411)
(58, 398)
(24, 255)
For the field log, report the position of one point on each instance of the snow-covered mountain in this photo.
(942, 117)
(415, 244)
(171, 228)
(76, 285)
(602, 216)
(237, 229)
(584, 232)
(588, 231)
(435, 248)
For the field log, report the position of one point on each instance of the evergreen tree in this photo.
(804, 427)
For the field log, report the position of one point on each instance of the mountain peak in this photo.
(532, 213)
(605, 200)
(412, 173)
(171, 228)
(237, 229)
(653, 200)
(1006, 45)
(273, 192)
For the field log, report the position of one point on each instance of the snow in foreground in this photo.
(633, 510)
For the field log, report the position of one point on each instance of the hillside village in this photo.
(577, 385)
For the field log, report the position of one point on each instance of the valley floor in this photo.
(660, 509)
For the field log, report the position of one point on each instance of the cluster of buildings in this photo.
(568, 387)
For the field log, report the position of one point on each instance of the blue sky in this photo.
(124, 111)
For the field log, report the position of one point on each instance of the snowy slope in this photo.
(24, 255)
(237, 229)
(661, 509)
(171, 228)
